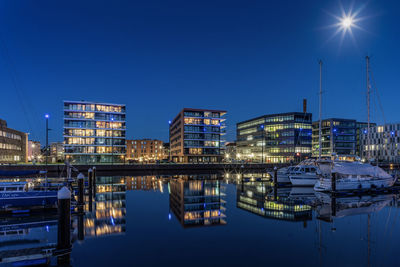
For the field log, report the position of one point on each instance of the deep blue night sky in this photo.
(248, 57)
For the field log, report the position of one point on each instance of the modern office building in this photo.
(34, 151)
(94, 132)
(384, 143)
(145, 150)
(13, 145)
(196, 135)
(360, 127)
(339, 136)
(276, 138)
(230, 151)
(197, 202)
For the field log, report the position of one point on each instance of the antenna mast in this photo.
(320, 111)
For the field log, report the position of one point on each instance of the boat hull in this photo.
(354, 184)
(27, 199)
(282, 178)
(303, 180)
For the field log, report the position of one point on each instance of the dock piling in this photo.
(94, 180)
(90, 184)
(90, 179)
(81, 185)
(64, 225)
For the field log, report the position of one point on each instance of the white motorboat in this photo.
(283, 174)
(351, 176)
(304, 175)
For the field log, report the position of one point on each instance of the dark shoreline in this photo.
(137, 169)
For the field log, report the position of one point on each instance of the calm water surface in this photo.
(203, 221)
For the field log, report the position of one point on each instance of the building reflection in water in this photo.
(109, 208)
(269, 202)
(145, 183)
(197, 202)
(27, 239)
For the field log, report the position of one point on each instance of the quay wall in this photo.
(133, 169)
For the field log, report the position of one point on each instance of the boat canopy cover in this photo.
(357, 168)
(19, 173)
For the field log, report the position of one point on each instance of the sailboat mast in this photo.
(368, 111)
(320, 112)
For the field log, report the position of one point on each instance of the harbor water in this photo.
(214, 220)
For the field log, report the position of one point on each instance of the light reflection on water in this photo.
(205, 219)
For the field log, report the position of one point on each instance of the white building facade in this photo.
(384, 143)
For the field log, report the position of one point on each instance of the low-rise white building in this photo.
(384, 143)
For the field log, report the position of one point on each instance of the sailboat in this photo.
(306, 173)
(354, 175)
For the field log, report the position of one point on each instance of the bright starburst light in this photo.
(346, 23)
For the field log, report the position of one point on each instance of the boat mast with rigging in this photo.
(320, 111)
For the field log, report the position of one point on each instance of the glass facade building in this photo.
(196, 136)
(277, 138)
(94, 132)
(339, 136)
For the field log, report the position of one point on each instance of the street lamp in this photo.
(169, 140)
(112, 140)
(262, 144)
(47, 116)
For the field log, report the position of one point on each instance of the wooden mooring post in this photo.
(64, 226)
(81, 191)
(94, 180)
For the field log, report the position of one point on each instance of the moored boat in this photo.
(282, 174)
(23, 194)
(304, 175)
(352, 176)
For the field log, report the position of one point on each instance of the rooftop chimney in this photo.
(304, 105)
